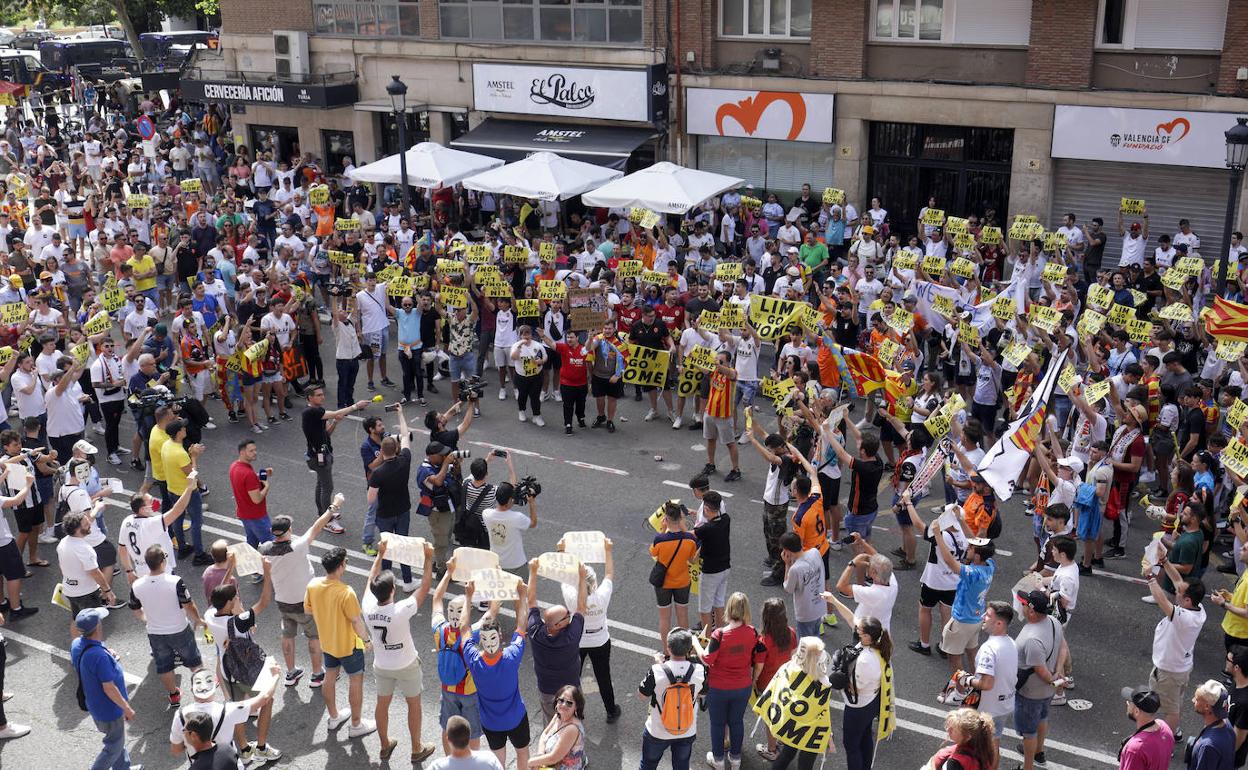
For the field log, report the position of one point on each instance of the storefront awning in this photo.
(514, 140)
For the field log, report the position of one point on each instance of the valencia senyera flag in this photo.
(1227, 320)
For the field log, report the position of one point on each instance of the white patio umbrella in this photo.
(664, 188)
(429, 164)
(544, 176)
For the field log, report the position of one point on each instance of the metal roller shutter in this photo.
(1095, 189)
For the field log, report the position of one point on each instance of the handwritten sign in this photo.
(470, 560)
(560, 567)
(405, 550)
(587, 545)
(495, 585)
(247, 560)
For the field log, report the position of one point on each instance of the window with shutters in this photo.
(1191, 25)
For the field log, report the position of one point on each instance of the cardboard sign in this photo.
(478, 254)
(495, 585)
(701, 357)
(968, 333)
(933, 217)
(957, 225)
(629, 268)
(905, 260)
(247, 560)
(343, 225)
(1229, 351)
(933, 265)
(470, 560)
(450, 266)
(1004, 308)
(944, 305)
(1139, 330)
(770, 316)
(644, 218)
(257, 351)
(1067, 378)
(1090, 323)
(405, 550)
(401, 286)
(516, 255)
(552, 290)
(341, 258)
(454, 296)
(689, 381)
(1046, 318)
(587, 545)
(560, 567)
(98, 324)
(901, 321)
(1176, 312)
(655, 277)
(12, 313)
(1132, 206)
(1095, 391)
(528, 308)
(646, 366)
(191, 185)
(1054, 272)
(138, 201)
(833, 196)
(728, 271)
(318, 195)
(587, 309)
(990, 236)
(1016, 353)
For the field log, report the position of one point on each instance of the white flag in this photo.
(1003, 465)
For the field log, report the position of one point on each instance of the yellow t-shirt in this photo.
(144, 265)
(334, 605)
(155, 451)
(175, 458)
(1233, 624)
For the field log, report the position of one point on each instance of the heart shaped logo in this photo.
(749, 112)
(1168, 128)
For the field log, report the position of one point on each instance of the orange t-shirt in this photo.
(671, 546)
(977, 515)
(324, 219)
(808, 521)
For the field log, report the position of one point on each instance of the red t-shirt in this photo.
(730, 657)
(625, 317)
(572, 367)
(773, 658)
(673, 316)
(243, 479)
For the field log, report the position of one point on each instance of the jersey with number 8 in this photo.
(138, 533)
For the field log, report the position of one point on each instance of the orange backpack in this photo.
(677, 711)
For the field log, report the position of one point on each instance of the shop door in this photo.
(417, 131)
(967, 170)
(281, 141)
(337, 146)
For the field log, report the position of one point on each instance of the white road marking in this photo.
(22, 639)
(679, 485)
(593, 467)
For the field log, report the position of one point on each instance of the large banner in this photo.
(1162, 137)
(785, 115)
(605, 94)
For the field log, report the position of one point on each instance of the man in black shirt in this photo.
(1191, 433)
(703, 301)
(207, 754)
(715, 545)
(318, 425)
(1094, 234)
(388, 488)
(1238, 670)
(649, 332)
(1149, 282)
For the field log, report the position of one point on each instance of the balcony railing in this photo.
(260, 76)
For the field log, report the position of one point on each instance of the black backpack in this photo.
(469, 528)
(243, 659)
(841, 670)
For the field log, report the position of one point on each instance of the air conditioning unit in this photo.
(290, 53)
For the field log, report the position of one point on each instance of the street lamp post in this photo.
(1236, 159)
(398, 100)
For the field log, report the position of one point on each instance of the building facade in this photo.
(1019, 106)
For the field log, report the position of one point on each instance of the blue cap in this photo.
(88, 619)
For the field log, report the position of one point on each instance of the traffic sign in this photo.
(147, 129)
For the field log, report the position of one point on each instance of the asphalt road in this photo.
(591, 480)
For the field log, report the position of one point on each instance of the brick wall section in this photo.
(838, 32)
(1062, 37)
(1234, 53)
(257, 17)
(697, 32)
(430, 28)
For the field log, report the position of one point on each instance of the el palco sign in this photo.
(1160, 137)
(562, 91)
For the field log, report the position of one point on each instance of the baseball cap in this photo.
(82, 445)
(88, 619)
(1037, 600)
(1074, 463)
(15, 279)
(793, 250)
(1143, 699)
(435, 448)
(1135, 227)
(869, 230)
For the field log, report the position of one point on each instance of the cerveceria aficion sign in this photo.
(281, 94)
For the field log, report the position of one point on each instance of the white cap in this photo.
(1072, 462)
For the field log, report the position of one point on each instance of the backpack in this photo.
(994, 526)
(841, 670)
(677, 711)
(451, 667)
(81, 693)
(243, 659)
(469, 528)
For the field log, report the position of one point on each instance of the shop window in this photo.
(555, 21)
(388, 18)
(1193, 25)
(764, 18)
(337, 146)
(911, 20)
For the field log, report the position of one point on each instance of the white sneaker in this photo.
(677, 423)
(48, 538)
(502, 394)
(650, 415)
(99, 430)
(13, 730)
(257, 429)
(1058, 700)
(262, 756)
(745, 439)
(734, 764)
(539, 422)
(113, 459)
(558, 396)
(710, 762)
(545, 396)
(1146, 599)
(339, 721)
(515, 393)
(438, 376)
(365, 727)
(408, 586)
(523, 417)
(211, 425)
(835, 545)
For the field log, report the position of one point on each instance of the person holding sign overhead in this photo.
(555, 635)
(495, 669)
(527, 358)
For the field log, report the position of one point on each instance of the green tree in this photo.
(134, 16)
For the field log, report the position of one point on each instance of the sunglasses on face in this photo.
(565, 702)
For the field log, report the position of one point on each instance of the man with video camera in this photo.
(435, 478)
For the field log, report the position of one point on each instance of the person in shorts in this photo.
(717, 422)
(162, 600)
(495, 669)
(336, 609)
(975, 571)
(715, 546)
(673, 548)
(606, 375)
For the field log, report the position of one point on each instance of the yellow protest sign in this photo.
(732, 315)
(191, 185)
(1234, 416)
(833, 196)
(388, 273)
(1029, 219)
(795, 709)
(14, 312)
(771, 389)
(689, 381)
(1004, 308)
(990, 236)
(1054, 272)
(346, 225)
(700, 357)
(1188, 266)
(1054, 241)
(1137, 297)
(646, 366)
(235, 363)
(546, 251)
(655, 277)
(401, 286)
(933, 217)
(957, 225)
(888, 353)
(6, 354)
(528, 308)
(695, 575)
(1139, 330)
(642, 217)
(807, 317)
(257, 351)
(318, 195)
(944, 305)
(454, 296)
(1100, 296)
(938, 422)
(901, 321)
(769, 316)
(964, 241)
(728, 271)
(1132, 206)
(751, 203)
(81, 352)
(552, 290)
(422, 281)
(1095, 391)
(515, 254)
(341, 258)
(1046, 318)
(710, 321)
(1120, 314)
(1229, 351)
(98, 323)
(906, 260)
(1176, 312)
(138, 201)
(629, 268)
(1090, 323)
(531, 366)
(1235, 458)
(478, 254)
(450, 266)
(1016, 353)
(494, 289)
(968, 333)
(1067, 379)
(933, 265)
